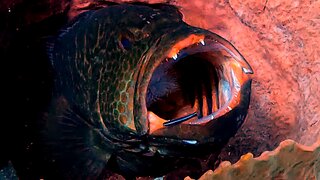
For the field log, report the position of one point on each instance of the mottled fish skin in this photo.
(102, 64)
(98, 74)
(96, 110)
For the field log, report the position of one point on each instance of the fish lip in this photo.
(209, 37)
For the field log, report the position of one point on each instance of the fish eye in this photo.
(125, 43)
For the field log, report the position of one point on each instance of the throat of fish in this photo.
(199, 81)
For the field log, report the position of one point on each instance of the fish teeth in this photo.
(175, 56)
(202, 42)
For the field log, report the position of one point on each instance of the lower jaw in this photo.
(216, 131)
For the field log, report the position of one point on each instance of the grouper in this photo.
(137, 91)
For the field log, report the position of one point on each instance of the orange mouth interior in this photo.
(200, 77)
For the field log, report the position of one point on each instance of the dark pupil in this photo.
(125, 43)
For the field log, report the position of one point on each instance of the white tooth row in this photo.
(176, 55)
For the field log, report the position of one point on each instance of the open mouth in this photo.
(198, 82)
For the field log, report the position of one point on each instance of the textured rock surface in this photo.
(280, 39)
(289, 161)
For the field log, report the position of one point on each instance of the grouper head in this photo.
(136, 84)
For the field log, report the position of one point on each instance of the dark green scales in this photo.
(99, 74)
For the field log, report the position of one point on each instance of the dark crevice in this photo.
(241, 19)
(265, 6)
